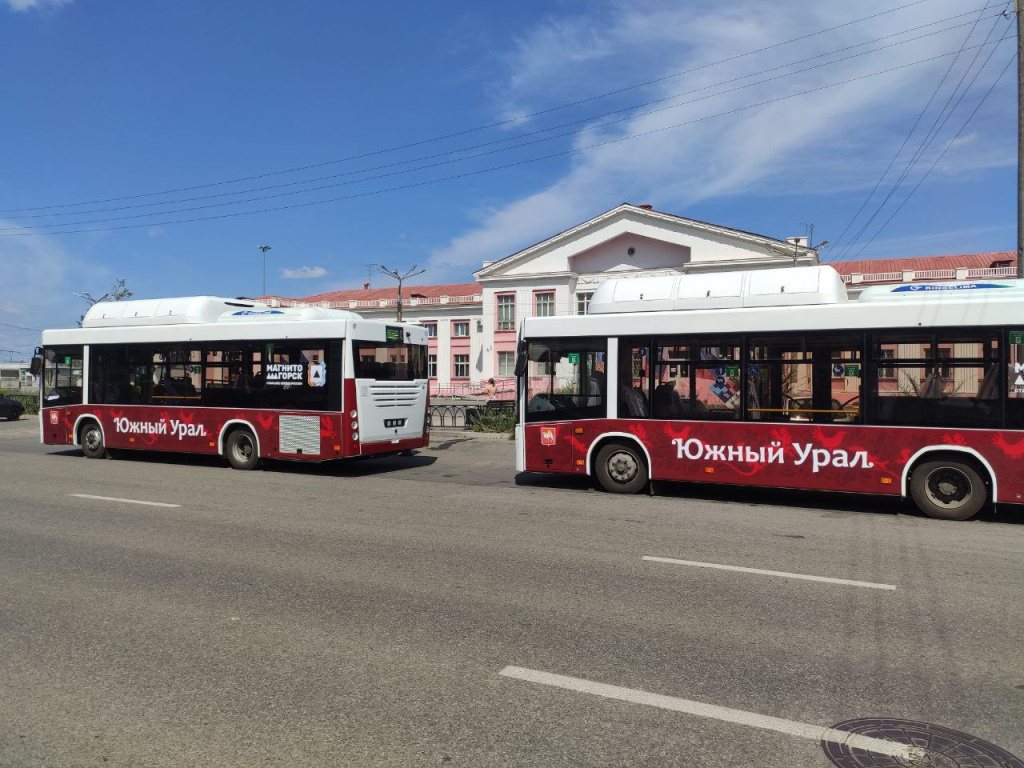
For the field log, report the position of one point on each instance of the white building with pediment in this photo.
(558, 275)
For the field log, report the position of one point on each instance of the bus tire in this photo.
(241, 450)
(91, 440)
(621, 468)
(948, 489)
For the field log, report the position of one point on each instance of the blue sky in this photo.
(107, 100)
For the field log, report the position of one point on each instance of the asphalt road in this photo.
(360, 614)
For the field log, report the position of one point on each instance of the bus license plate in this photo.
(389, 423)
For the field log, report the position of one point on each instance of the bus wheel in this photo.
(92, 440)
(621, 468)
(241, 450)
(948, 490)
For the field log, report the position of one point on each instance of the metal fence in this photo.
(448, 416)
(465, 416)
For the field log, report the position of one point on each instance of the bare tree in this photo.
(119, 291)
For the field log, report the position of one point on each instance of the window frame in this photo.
(507, 324)
(548, 297)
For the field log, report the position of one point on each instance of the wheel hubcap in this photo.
(243, 450)
(949, 487)
(92, 439)
(622, 467)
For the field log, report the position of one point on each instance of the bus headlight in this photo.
(355, 425)
(355, 435)
(353, 413)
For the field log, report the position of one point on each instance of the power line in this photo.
(477, 172)
(630, 116)
(498, 124)
(939, 123)
(838, 240)
(21, 327)
(941, 155)
(449, 162)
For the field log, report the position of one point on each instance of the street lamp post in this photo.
(264, 248)
(401, 278)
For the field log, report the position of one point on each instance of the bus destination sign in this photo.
(392, 333)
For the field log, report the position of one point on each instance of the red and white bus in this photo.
(775, 378)
(234, 378)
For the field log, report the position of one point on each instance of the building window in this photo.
(943, 369)
(431, 330)
(432, 366)
(583, 303)
(545, 304)
(461, 328)
(885, 369)
(507, 312)
(506, 363)
(461, 366)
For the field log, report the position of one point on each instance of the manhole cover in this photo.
(944, 747)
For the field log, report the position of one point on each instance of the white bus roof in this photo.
(720, 290)
(210, 318)
(790, 299)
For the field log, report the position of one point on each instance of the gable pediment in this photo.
(659, 241)
(629, 252)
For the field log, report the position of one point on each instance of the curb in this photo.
(466, 434)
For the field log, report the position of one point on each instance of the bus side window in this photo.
(635, 379)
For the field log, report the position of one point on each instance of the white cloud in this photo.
(963, 141)
(836, 137)
(41, 279)
(40, 5)
(303, 273)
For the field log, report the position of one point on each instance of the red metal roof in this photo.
(922, 263)
(451, 290)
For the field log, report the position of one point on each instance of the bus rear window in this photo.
(389, 360)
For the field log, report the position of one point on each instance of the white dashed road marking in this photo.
(760, 572)
(738, 716)
(123, 501)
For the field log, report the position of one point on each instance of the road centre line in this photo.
(123, 501)
(901, 752)
(759, 571)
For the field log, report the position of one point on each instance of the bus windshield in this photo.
(389, 360)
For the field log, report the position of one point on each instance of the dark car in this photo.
(10, 409)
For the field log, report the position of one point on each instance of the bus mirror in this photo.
(521, 359)
(36, 366)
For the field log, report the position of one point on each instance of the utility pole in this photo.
(401, 278)
(371, 270)
(264, 248)
(1018, 6)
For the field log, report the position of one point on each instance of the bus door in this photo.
(62, 386)
(837, 382)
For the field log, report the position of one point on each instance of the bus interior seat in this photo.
(634, 401)
(667, 403)
(989, 387)
(932, 387)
